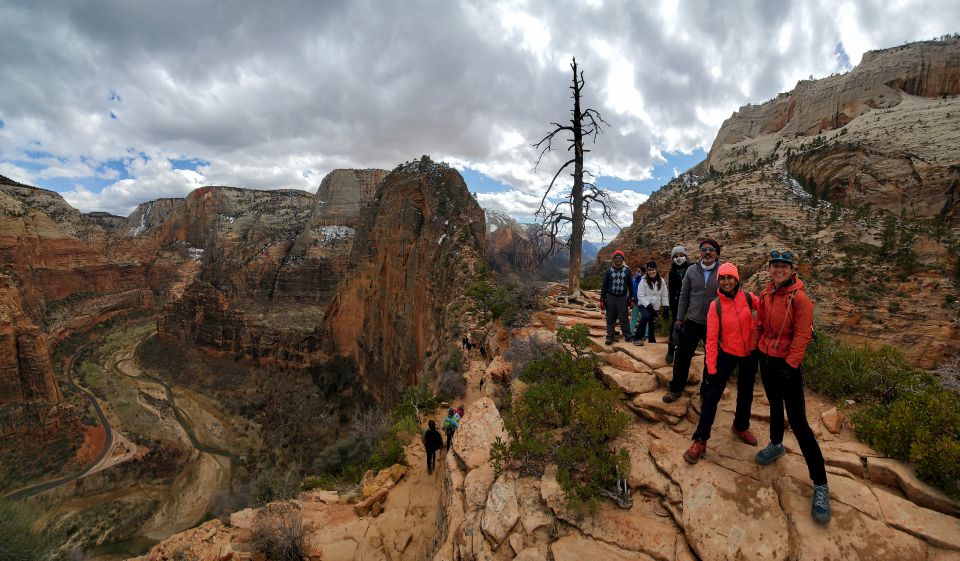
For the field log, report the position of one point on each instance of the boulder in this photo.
(651, 406)
(534, 513)
(475, 487)
(850, 535)
(502, 510)
(654, 355)
(630, 383)
(632, 530)
(832, 420)
(498, 370)
(936, 528)
(723, 512)
(643, 471)
(897, 474)
(480, 427)
(664, 374)
(623, 361)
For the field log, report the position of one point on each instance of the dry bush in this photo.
(370, 426)
(535, 346)
(279, 533)
(451, 385)
(950, 374)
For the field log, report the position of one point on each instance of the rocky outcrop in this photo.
(25, 371)
(320, 255)
(416, 247)
(107, 221)
(148, 216)
(869, 205)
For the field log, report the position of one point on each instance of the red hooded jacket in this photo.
(738, 334)
(785, 325)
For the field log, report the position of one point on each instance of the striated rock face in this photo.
(147, 216)
(870, 206)
(415, 250)
(241, 239)
(25, 371)
(511, 249)
(105, 220)
(321, 253)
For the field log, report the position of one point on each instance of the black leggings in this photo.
(712, 390)
(431, 459)
(787, 392)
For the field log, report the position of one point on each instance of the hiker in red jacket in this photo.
(731, 342)
(784, 330)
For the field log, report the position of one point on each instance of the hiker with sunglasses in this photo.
(698, 290)
(617, 297)
(784, 329)
(731, 342)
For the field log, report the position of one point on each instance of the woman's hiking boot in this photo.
(608, 341)
(746, 436)
(696, 451)
(770, 454)
(821, 504)
(638, 341)
(670, 397)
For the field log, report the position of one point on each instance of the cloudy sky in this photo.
(113, 103)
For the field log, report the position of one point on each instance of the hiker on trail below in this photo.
(617, 297)
(651, 297)
(432, 441)
(731, 343)
(459, 412)
(678, 268)
(450, 425)
(784, 330)
(698, 290)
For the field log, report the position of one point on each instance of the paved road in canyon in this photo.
(108, 443)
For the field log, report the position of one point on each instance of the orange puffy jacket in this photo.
(785, 325)
(738, 335)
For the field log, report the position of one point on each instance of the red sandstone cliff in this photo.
(416, 248)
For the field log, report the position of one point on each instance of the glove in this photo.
(633, 302)
(603, 305)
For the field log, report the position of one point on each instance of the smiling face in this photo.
(618, 261)
(709, 254)
(727, 282)
(652, 272)
(780, 272)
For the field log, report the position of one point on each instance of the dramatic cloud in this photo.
(114, 102)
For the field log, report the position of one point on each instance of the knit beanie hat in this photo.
(712, 242)
(678, 249)
(651, 264)
(618, 252)
(730, 270)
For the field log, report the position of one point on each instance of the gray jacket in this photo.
(695, 297)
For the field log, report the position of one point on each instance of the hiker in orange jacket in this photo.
(784, 330)
(731, 342)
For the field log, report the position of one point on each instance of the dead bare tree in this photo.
(584, 199)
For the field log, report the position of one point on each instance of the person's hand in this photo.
(603, 305)
(633, 302)
(678, 324)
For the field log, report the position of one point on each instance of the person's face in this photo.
(652, 272)
(618, 261)
(780, 272)
(709, 254)
(727, 282)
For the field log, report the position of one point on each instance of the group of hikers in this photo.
(740, 331)
(433, 441)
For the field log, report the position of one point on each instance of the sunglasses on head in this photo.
(708, 249)
(775, 254)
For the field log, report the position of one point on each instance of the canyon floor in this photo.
(725, 507)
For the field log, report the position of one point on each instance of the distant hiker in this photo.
(466, 343)
(651, 296)
(617, 296)
(635, 309)
(483, 351)
(432, 441)
(678, 268)
(784, 329)
(450, 425)
(459, 412)
(698, 290)
(731, 343)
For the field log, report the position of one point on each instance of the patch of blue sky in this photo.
(479, 182)
(2, 125)
(843, 59)
(188, 163)
(39, 154)
(662, 173)
(63, 184)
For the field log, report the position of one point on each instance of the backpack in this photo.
(719, 308)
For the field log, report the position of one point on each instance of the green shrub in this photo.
(569, 418)
(508, 302)
(18, 542)
(591, 282)
(901, 411)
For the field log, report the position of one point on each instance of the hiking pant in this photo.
(450, 438)
(692, 333)
(713, 390)
(674, 332)
(431, 459)
(787, 392)
(648, 318)
(634, 319)
(617, 311)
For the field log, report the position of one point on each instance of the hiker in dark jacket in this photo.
(432, 441)
(784, 329)
(698, 290)
(617, 297)
(677, 269)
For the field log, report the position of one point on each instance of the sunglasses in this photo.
(708, 249)
(781, 255)
(618, 257)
